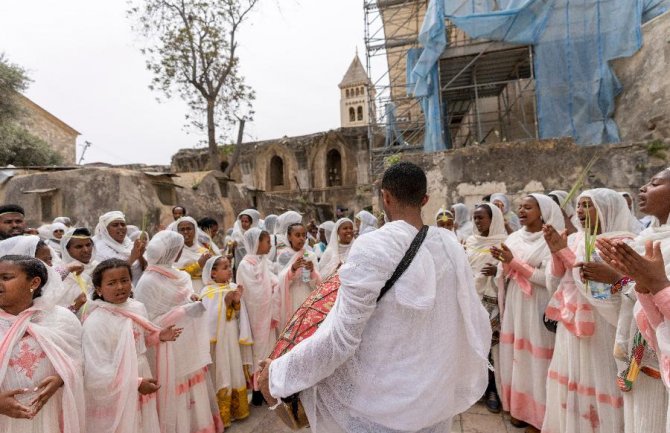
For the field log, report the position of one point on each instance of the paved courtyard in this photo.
(476, 420)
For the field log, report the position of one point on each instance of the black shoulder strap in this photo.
(406, 261)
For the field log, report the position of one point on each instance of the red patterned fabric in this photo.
(307, 319)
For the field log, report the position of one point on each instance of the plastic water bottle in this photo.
(306, 273)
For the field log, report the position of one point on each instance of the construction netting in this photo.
(573, 42)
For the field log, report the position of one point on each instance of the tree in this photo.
(17, 146)
(22, 149)
(192, 50)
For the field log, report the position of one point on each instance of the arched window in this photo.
(357, 92)
(334, 168)
(362, 90)
(347, 91)
(352, 114)
(360, 113)
(276, 172)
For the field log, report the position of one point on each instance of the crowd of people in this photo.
(113, 329)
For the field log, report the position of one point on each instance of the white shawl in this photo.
(336, 253)
(477, 248)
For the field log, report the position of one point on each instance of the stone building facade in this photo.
(59, 135)
(329, 169)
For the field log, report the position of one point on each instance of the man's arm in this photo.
(339, 336)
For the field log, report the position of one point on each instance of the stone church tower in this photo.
(356, 90)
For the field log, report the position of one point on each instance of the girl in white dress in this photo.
(121, 390)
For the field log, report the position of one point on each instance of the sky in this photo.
(87, 70)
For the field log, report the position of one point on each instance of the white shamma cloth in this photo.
(375, 367)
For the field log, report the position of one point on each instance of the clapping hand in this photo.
(648, 271)
(46, 389)
(170, 333)
(504, 254)
(11, 407)
(556, 241)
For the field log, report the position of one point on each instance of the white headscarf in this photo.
(67, 258)
(327, 227)
(102, 234)
(535, 249)
(207, 270)
(238, 232)
(287, 219)
(63, 220)
(19, 246)
(510, 217)
(613, 211)
(270, 224)
(164, 248)
(477, 247)
(569, 207)
(27, 246)
(336, 253)
(53, 228)
(368, 222)
(442, 211)
(462, 222)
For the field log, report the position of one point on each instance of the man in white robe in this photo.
(409, 363)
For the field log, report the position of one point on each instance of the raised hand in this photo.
(599, 272)
(556, 241)
(170, 333)
(10, 406)
(648, 271)
(504, 254)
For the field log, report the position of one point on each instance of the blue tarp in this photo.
(573, 40)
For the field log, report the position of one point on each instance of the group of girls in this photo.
(578, 301)
(88, 345)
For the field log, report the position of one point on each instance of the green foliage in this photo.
(192, 52)
(392, 160)
(658, 149)
(13, 79)
(20, 148)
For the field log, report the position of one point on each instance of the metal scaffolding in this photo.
(488, 88)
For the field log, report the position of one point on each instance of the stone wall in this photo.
(517, 168)
(57, 134)
(643, 108)
(85, 194)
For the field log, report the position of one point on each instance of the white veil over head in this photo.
(67, 237)
(102, 234)
(251, 240)
(19, 246)
(164, 248)
(336, 253)
(368, 222)
(497, 227)
(270, 224)
(327, 227)
(207, 270)
(613, 212)
(287, 219)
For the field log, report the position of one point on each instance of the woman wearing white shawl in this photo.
(40, 348)
(31, 246)
(526, 345)
(56, 232)
(252, 219)
(646, 402)
(365, 222)
(77, 284)
(168, 296)
(338, 248)
(261, 298)
(293, 289)
(325, 230)
(512, 222)
(444, 219)
(116, 366)
(587, 316)
(228, 329)
(462, 222)
(283, 251)
(111, 242)
(194, 255)
(478, 249)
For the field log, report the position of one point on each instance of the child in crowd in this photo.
(299, 277)
(228, 329)
(121, 390)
